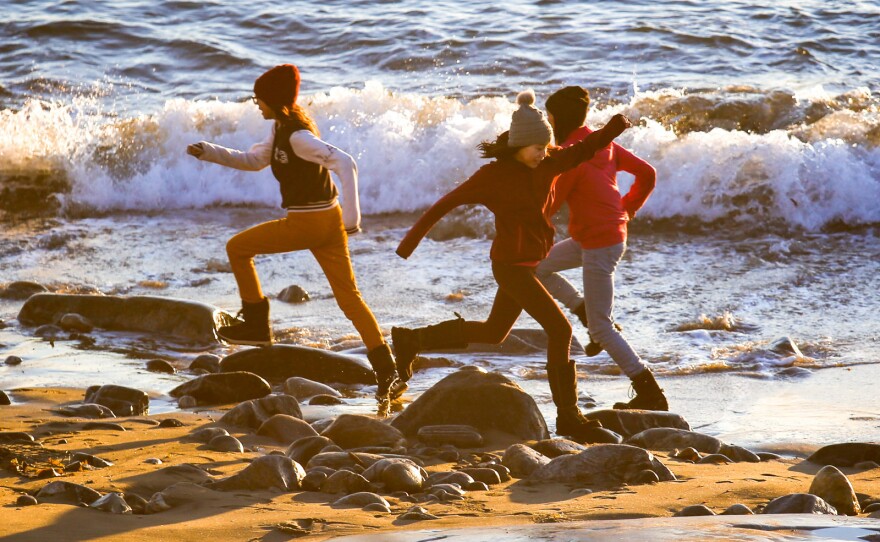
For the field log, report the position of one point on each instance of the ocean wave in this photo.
(741, 156)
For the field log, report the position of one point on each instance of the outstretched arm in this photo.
(309, 147)
(564, 159)
(646, 178)
(255, 159)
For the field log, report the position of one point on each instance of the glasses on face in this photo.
(254, 99)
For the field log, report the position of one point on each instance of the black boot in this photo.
(570, 421)
(386, 375)
(594, 348)
(254, 330)
(649, 396)
(408, 343)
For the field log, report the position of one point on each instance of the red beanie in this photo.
(279, 86)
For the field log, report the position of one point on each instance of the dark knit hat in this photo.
(528, 125)
(569, 103)
(279, 86)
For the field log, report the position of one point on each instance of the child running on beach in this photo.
(300, 161)
(598, 216)
(515, 188)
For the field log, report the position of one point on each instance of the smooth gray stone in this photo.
(460, 436)
(450, 477)
(160, 366)
(225, 443)
(15, 436)
(799, 503)
(113, 503)
(67, 493)
(303, 388)
(123, 401)
(737, 510)
(339, 460)
(397, 475)
(846, 454)
(630, 422)
(695, 510)
(523, 461)
(223, 388)
(345, 481)
(286, 429)
(668, 439)
(486, 475)
(21, 289)
(205, 434)
(306, 448)
(169, 317)
(279, 362)
(87, 410)
(254, 413)
(485, 401)
(4, 399)
(268, 472)
(835, 488)
(92, 460)
(355, 430)
(207, 362)
(360, 500)
(554, 447)
(75, 322)
(603, 465)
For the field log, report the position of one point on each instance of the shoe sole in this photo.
(243, 342)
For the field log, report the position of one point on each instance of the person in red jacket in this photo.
(598, 216)
(515, 188)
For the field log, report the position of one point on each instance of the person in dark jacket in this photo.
(301, 162)
(515, 188)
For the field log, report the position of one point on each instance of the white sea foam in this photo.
(412, 148)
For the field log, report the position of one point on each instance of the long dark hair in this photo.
(298, 117)
(498, 148)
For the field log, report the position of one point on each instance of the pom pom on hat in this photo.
(279, 86)
(528, 125)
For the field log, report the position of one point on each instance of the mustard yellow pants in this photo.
(322, 233)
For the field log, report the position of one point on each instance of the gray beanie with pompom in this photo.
(528, 126)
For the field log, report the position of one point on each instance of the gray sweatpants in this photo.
(599, 266)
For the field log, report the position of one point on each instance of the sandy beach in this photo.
(272, 515)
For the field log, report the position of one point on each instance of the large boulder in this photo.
(397, 474)
(846, 454)
(254, 413)
(122, 401)
(668, 439)
(282, 361)
(268, 472)
(835, 488)
(799, 503)
(603, 465)
(357, 431)
(630, 422)
(286, 429)
(223, 388)
(486, 401)
(178, 318)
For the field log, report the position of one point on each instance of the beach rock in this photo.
(19, 290)
(160, 366)
(768, 456)
(846, 454)
(50, 332)
(121, 400)
(268, 472)
(225, 443)
(306, 448)
(785, 346)
(799, 503)
(187, 401)
(205, 434)
(91, 460)
(460, 436)
(345, 481)
(488, 476)
(12, 361)
(168, 317)
(354, 431)
(360, 500)
(137, 503)
(555, 447)
(279, 362)
(866, 465)
(715, 459)
(668, 439)
(377, 507)
(286, 429)
(523, 461)
(75, 322)
(341, 460)
(113, 503)
(737, 510)
(325, 400)
(224, 388)
(9, 437)
(293, 294)
(303, 388)
(695, 510)
(485, 401)
(170, 422)
(313, 480)
(206, 362)
(102, 426)
(151, 482)
(397, 475)
(630, 422)
(26, 500)
(603, 465)
(183, 493)
(4, 399)
(417, 513)
(449, 477)
(59, 492)
(87, 410)
(835, 488)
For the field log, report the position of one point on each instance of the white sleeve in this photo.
(255, 159)
(308, 147)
